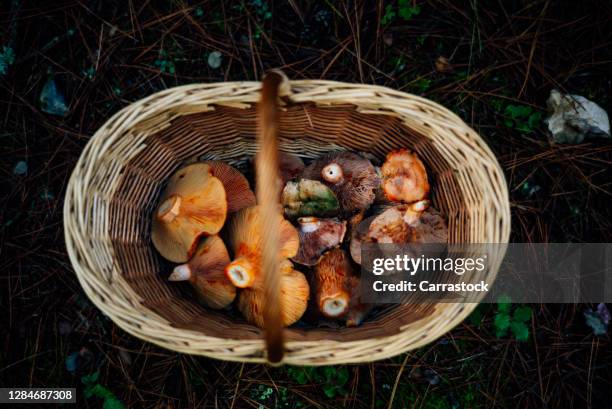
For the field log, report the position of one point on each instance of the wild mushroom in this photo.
(246, 242)
(331, 279)
(206, 273)
(357, 308)
(352, 178)
(316, 237)
(309, 198)
(237, 190)
(290, 166)
(294, 296)
(397, 224)
(359, 236)
(193, 205)
(404, 178)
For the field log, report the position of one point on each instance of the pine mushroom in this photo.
(294, 296)
(331, 279)
(246, 242)
(192, 205)
(316, 237)
(404, 178)
(237, 190)
(307, 197)
(401, 225)
(352, 178)
(206, 273)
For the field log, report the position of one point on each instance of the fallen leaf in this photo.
(443, 65)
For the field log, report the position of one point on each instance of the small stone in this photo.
(215, 59)
(21, 168)
(51, 100)
(574, 118)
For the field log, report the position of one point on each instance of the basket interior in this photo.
(228, 134)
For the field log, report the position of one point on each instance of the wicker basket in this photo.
(117, 180)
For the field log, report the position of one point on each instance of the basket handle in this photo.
(274, 84)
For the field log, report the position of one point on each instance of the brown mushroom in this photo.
(316, 237)
(305, 197)
(192, 205)
(359, 236)
(404, 178)
(206, 273)
(294, 296)
(237, 190)
(352, 178)
(290, 166)
(246, 242)
(357, 308)
(398, 224)
(331, 279)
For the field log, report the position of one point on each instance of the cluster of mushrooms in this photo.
(208, 220)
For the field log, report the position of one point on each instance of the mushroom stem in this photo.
(241, 272)
(181, 273)
(414, 211)
(309, 224)
(332, 173)
(336, 305)
(169, 209)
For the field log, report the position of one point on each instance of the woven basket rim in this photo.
(150, 326)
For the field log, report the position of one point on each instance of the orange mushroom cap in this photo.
(294, 296)
(206, 272)
(246, 241)
(192, 205)
(404, 178)
(237, 190)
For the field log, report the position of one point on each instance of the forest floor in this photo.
(493, 65)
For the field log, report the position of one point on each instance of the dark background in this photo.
(103, 55)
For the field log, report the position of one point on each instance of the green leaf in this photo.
(520, 331)
(389, 15)
(534, 120)
(504, 303)
(91, 378)
(342, 376)
(501, 323)
(522, 314)
(329, 390)
(518, 111)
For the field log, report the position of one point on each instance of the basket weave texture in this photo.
(117, 180)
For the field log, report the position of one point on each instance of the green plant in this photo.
(333, 378)
(522, 118)
(515, 321)
(405, 10)
(165, 63)
(93, 388)
(7, 58)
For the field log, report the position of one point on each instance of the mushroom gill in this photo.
(245, 235)
(206, 273)
(316, 237)
(237, 190)
(352, 178)
(331, 279)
